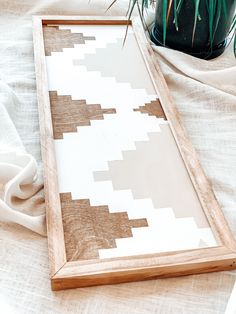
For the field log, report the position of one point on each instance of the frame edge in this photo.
(56, 247)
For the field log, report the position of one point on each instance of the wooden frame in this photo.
(78, 274)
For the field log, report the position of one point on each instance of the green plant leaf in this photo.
(113, 2)
(233, 25)
(215, 9)
(196, 3)
(211, 18)
(177, 10)
(176, 15)
(164, 13)
(179, 6)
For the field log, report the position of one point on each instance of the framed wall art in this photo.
(126, 196)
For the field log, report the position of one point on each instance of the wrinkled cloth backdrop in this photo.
(205, 94)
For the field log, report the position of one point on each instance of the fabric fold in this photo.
(18, 173)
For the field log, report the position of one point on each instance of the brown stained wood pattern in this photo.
(56, 39)
(90, 228)
(68, 114)
(153, 108)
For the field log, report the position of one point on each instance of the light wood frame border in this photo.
(65, 275)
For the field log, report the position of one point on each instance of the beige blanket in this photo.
(205, 94)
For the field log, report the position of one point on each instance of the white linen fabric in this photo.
(17, 174)
(205, 95)
(231, 306)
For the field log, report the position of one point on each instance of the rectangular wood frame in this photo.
(65, 275)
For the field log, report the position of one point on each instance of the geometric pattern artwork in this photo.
(132, 172)
(90, 228)
(56, 39)
(123, 185)
(154, 108)
(68, 114)
(128, 58)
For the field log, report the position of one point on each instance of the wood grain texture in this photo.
(56, 39)
(163, 265)
(68, 114)
(83, 20)
(56, 242)
(154, 108)
(90, 228)
(85, 273)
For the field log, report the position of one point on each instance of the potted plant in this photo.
(196, 27)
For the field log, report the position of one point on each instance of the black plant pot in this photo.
(182, 39)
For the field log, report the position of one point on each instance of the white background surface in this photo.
(204, 92)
